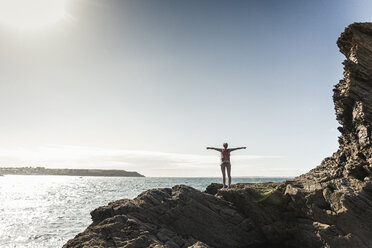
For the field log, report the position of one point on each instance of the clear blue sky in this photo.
(147, 85)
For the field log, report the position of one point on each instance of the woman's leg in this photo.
(223, 175)
(229, 173)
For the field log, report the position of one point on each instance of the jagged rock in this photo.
(177, 217)
(336, 195)
(213, 188)
(330, 206)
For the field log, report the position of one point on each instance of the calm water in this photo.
(46, 211)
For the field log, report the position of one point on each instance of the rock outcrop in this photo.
(330, 206)
(337, 195)
(177, 217)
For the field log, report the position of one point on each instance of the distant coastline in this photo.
(67, 172)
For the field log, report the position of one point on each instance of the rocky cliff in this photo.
(330, 206)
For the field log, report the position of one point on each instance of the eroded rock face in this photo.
(353, 100)
(330, 206)
(336, 196)
(177, 217)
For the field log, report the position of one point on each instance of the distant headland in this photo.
(67, 172)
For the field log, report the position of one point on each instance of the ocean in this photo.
(46, 211)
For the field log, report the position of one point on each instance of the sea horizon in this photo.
(288, 177)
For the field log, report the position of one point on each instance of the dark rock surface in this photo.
(337, 195)
(177, 217)
(330, 206)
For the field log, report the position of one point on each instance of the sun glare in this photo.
(31, 14)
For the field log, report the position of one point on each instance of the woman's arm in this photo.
(238, 148)
(212, 148)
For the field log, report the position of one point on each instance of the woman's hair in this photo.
(225, 145)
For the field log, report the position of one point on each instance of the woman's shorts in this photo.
(225, 164)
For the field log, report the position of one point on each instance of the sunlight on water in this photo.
(46, 211)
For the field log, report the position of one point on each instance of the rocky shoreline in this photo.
(330, 206)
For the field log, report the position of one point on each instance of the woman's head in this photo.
(225, 145)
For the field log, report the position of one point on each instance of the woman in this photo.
(225, 161)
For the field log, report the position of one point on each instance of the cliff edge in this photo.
(330, 206)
